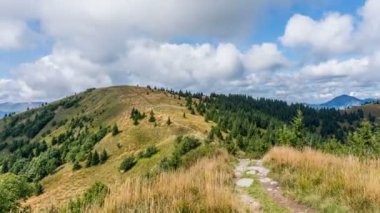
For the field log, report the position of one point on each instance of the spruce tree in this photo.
(103, 156)
(115, 130)
(95, 159)
(168, 122)
(89, 160)
(152, 118)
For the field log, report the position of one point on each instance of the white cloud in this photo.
(330, 35)
(369, 27)
(202, 67)
(14, 34)
(133, 42)
(334, 68)
(53, 76)
(264, 57)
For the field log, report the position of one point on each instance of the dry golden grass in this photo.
(207, 186)
(327, 182)
(117, 103)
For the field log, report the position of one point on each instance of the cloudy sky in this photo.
(294, 50)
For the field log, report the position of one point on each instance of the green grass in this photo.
(257, 191)
(110, 106)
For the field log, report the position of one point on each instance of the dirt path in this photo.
(248, 201)
(270, 186)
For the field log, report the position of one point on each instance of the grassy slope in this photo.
(206, 186)
(109, 106)
(327, 182)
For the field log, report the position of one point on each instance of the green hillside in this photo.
(63, 133)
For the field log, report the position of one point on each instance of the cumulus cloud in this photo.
(15, 34)
(199, 67)
(134, 42)
(63, 72)
(330, 35)
(264, 57)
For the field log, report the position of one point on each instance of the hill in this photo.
(342, 102)
(76, 120)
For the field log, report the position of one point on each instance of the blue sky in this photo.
(298, 51)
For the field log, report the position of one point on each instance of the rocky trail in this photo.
(255, 167)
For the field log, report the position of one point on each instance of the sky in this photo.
(293, 50)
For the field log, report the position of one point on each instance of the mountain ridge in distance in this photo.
(10, 107)
(343, 102)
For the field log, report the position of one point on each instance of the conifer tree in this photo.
(168, 122)
(89, 160)
(152, 118)
(103, 156)
(95, 159)
(115, 130)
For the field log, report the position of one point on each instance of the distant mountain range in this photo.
(343, 102)
(8, 107)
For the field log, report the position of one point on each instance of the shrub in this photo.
(148, 152)
(38, 189)
(185, 144)
(12, 189)
(171, 163)
(128, 164)
(94, 195)
(76, 166)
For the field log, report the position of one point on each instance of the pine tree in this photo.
(115, 130)
(95, 159)
(192, 111)
(89, 160)
(152, 118)
(168, 122)
(103, 156)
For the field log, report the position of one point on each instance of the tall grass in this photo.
(326, 182)
(206, 186)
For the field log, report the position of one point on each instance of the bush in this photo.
(94, 195)
(13, 188)
(185, 144)
(149, 152)
(127, 164)
(76, 166)
(172, 163)
(38, 189)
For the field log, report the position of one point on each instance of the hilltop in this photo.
(103, 108)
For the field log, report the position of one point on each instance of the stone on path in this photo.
(244, 182)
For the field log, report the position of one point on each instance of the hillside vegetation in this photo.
(44, 145)
(76, 154)
(327, 182)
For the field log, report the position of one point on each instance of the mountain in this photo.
(67, 130)
(8, 107)
(343, 102)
